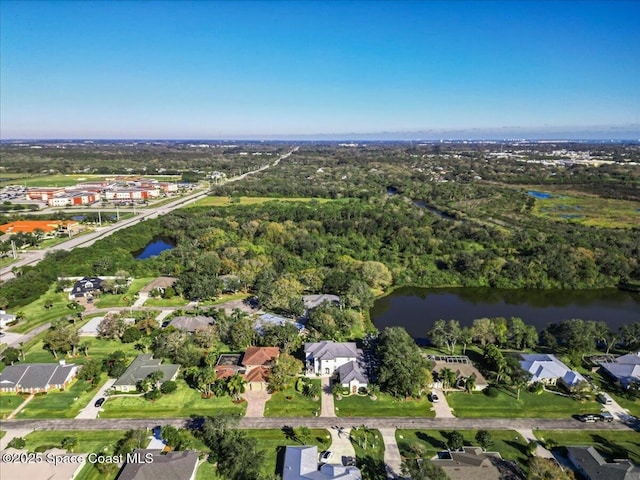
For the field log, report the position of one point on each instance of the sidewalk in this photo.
(21, 406)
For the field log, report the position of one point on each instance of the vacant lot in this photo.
(290, 403)
(88, 441)
(530, 404)
(384, 406)
(184, 402)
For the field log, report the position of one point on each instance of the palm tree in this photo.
(448, 378)
(236, 386)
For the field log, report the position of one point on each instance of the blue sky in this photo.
(302, 69)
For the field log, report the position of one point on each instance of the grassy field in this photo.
(166, 302)
(184, 402)
(226, 201)
(88, 441)
(225, 298)
(9, 402)
(509, 443)
(505, 404)
(61, 404)
(588, 210)
(68, 179)
(272, 442)
(384, 406)
(90, 472)
(370, 460)
(207, 471)
(123, 299)
(612, 444)
(290, 403)
(35, 313)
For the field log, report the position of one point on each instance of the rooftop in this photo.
(142, 366)
(327, 350)
(169, 466)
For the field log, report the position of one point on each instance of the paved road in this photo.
(320, 422)
(13, 339)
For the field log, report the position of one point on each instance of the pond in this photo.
(154, 248)
(391, 191)
(417, 309)
(533, 193)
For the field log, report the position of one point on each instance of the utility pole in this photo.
(13, 249)
(99, 218)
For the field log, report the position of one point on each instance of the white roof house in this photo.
(301, 463)
(548, 369)
(625, 369)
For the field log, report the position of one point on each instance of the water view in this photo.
(154, 248)
(417, 309)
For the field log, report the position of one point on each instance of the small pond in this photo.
(533, 193)
(154, 248)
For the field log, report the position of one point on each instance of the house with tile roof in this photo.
(258, 362)
(141, 367)
(37, 377)
(549, 370)
(593, 466)
(625, 369)
(301, 463)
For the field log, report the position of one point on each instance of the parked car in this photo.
(589, 418)
(606, 417)
(434, 397)
(325, 456)
(605, 398)
(100, 401)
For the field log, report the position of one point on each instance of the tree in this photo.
(547, 469)
(10, 356)
(69, 443)
(482, 330)
(236, 385)
(403, 371)
(420, 469)
(448, 378)
(62, 338)
(113, 326)
(483, 437)
(131, 334)
(284, 372)
(304, 434)
(465, 337)
(470, 383)
(91, 369)
(359, 296)
(376, 274)
(455, 440)
(169, 386)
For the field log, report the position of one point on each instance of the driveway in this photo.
(528, 435)
(91, 411)
(327, 408)
(340, 444)
(441, 407)
(392, 458)
(256, 400)
(618, 412)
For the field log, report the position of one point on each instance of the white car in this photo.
(325, 456)
(434, 397)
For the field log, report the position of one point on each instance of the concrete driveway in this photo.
(327, 407)
(441, 407)
(340, 445)
(91, 411)
(256, 400)
(392, 458)
(618, 412)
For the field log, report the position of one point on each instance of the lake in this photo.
(154, 248)
(417, 309)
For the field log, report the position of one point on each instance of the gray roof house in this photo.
(85, 287)
(624, 369)
(471, 463)
(141, 367)
(301, 463)
(353, 374)
(323, 358)
(549, 370)
(191, 324)
(152, 465)
(37, 377)
(314, 301)
(593, 466)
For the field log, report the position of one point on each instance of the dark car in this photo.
(100, 401)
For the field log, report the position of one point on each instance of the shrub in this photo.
(17, 442)
(153, 394)
(169, 386)
(131, 334)
(491, 392)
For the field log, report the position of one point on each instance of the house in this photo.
(258, 362)
(593, 466)
(271, 319)
(141, 367)
(353, 375)
(301, 463)
(314, 301)
(6, 318)
(471, 463)
(463, 368)
(229, 364)
(191, 324)
(86, 287)
(154, 465)
(549, 370)
(67, 466)
(625, 369)
(323, 358)
(37, 377)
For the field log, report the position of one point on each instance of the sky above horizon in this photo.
(290, 69)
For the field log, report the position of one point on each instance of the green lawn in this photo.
(370, 460)
(290, 403)
(509, 443)
(90, 472)
(35, 313)
(530, 404)
(273, 441)
(385, 406)
(88, 440)
(184, 402)
(612, 444)
(98, 348)
(57, 404)
(632, 405)
(123, 299)
(207, 471)
(225, 298)
(2, 433)
(9, 402)
(176, 301)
